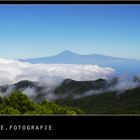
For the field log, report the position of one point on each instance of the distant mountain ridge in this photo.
(68, 57)
(39, 92)
(121, 65)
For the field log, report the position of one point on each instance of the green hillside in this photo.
(124, 102)
(18, 103)
(79, 87)
(127, 102)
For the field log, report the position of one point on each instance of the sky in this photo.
(28, 31)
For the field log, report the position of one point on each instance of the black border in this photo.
(74, 127)
(71, 127)
(69, 2)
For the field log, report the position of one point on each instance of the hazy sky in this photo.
(43, 30)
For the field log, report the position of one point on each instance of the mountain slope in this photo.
(71, 87)
(40, 92)
(127, 102)
(103, 102)
(18, 103)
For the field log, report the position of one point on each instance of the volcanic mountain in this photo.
(121, 65)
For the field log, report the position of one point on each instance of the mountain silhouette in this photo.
(69, 57)
(121, 65)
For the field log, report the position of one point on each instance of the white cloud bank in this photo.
(12, 71)
(49, 76)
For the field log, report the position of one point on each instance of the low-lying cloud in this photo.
(12, 71)
(50, 76)
(120, 86)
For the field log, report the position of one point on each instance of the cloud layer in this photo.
(49, 76)
(12, 71)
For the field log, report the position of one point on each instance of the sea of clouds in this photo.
(12, 71)
(50, 76)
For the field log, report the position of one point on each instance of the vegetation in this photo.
(127, 102)
(18, 103)
(79, 87)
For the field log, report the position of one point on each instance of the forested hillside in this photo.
(18, 103)
(127, 102)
